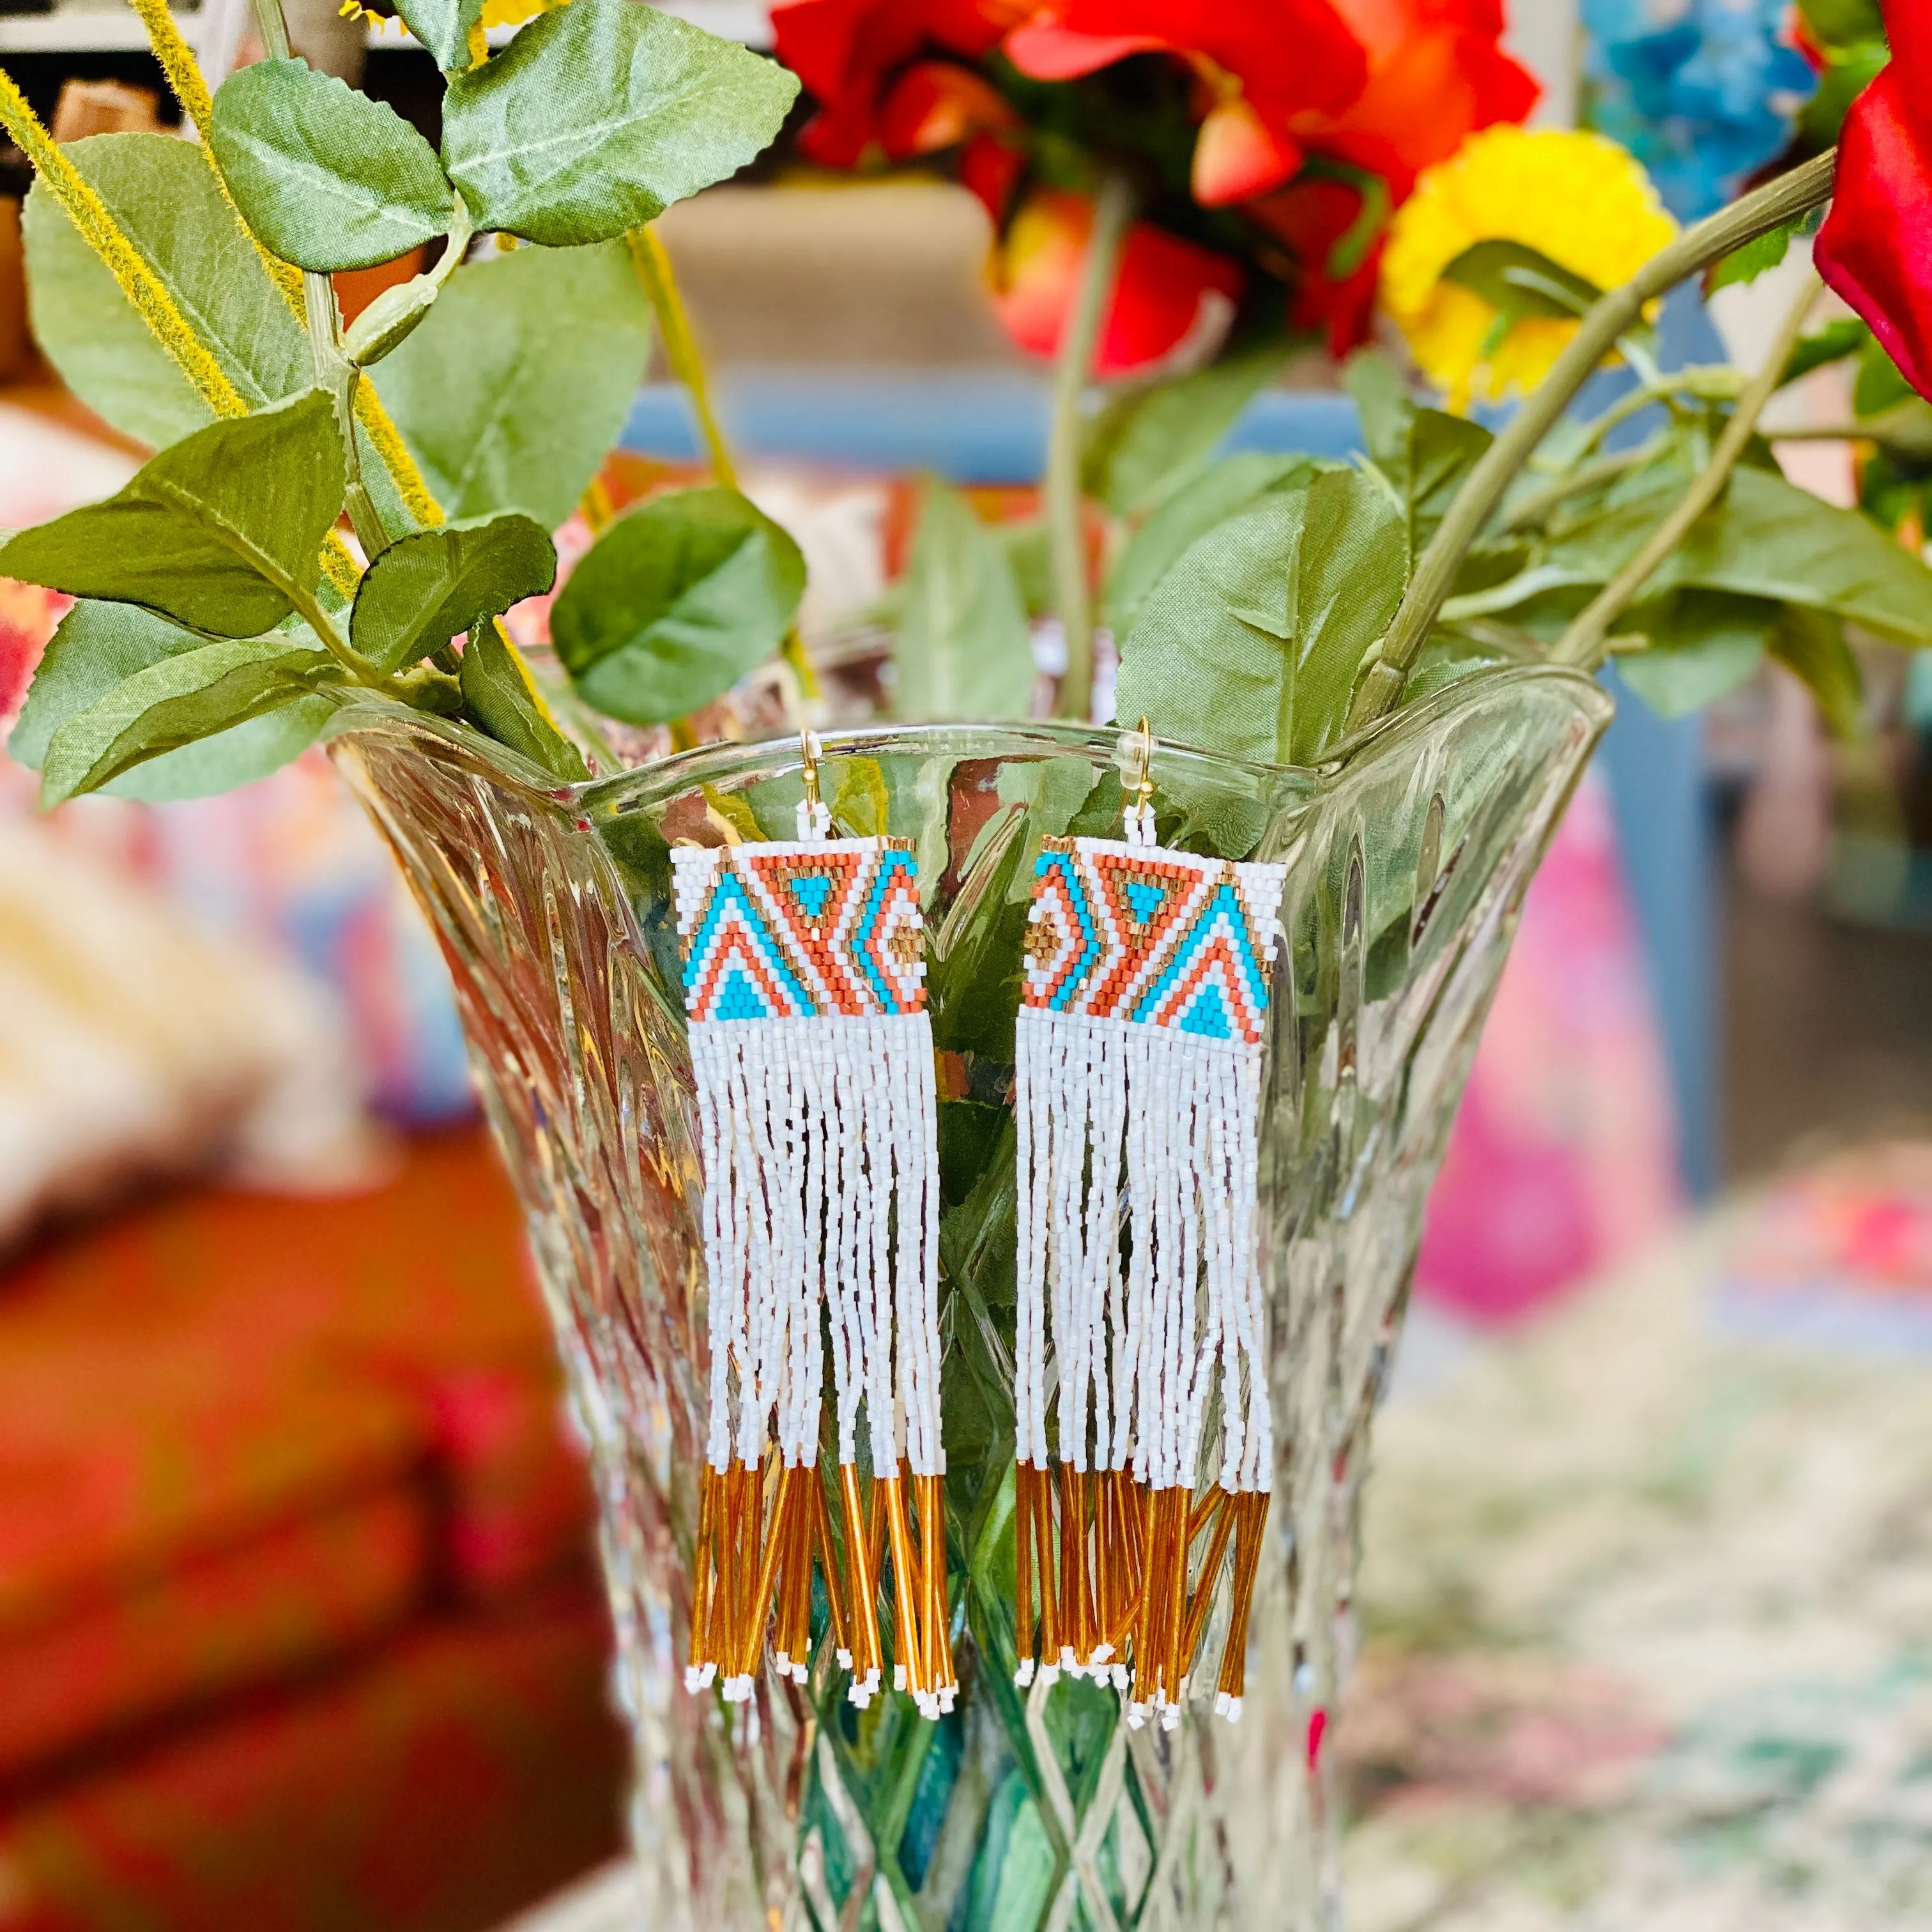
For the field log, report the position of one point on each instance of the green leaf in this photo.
(1759, 257)
(1454, 652)
(1767, 539)
(1811, 644)
(1251, 643)
(433, 587)
(1520, 283)
(1521, 280)
(443, 26)
(1852, 68)
(498, 697)
(327, 177)
(1702, 644)
(862, 805)
(1880, 386)
(1836, 340)
(516, 384)
(675, 602)
(1029, 550)
(1838, 23)
(163, 193)
(97, 647)
(1425, 454)
(1374, 380)
(1152, 437)
(188, 696)
(222, 531)
(963, 650)
(597, 117)
(1212, 497)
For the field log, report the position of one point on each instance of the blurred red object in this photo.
(1309, 121)
(1165, 283)
(1875, 248)
(298, 1626)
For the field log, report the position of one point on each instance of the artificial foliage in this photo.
(336, 515)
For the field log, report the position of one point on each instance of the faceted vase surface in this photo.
(1408, 858)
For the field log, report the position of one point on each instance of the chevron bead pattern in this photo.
(1166, 938)
(801, 931)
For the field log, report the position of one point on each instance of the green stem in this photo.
(312, 614)
(1582, 644)
(1772, 206)
(1066, 536)
(1850, 432)
(1533, 508)
(1664, 389)
(332, 372)
(658, 280)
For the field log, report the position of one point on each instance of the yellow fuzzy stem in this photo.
(143, 288)
(380, 428)
(659, 282)
(185, 75)
(102, 234)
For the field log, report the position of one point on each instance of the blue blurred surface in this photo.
(990, 426)
(973, 427)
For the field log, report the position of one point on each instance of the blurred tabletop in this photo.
(610, 1901)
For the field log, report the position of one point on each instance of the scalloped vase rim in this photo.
(706, 763)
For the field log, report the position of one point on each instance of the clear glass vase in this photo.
(1408, 855)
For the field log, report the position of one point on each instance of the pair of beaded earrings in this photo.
(1136, 1093)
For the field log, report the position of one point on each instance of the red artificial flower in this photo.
(1315, 216)
(1436, 74)
(1166, 290)
(1286, 55)
(990, 166)
(1876, 247)
(1237, 155)
(845, 51)
(935, 105)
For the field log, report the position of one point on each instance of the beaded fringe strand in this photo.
(1108, 1109)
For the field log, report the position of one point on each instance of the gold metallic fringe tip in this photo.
(1108, 1595)
(751, 1580)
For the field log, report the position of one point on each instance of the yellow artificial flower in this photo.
(513, 13)
(1577, 198)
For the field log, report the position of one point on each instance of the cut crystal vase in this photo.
(1408, 857)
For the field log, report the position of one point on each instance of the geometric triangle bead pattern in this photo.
(816, 1129)
(1137, 1095)
(812, 929)
(1129, 932)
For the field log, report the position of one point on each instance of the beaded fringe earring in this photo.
(804, 968)
(1137, 1096)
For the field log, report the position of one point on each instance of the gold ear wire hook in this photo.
(809, 748)
(1144, 782)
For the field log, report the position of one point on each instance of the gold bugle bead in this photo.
(835, 1586)
(1023, 1610)
(1204, 1590)
(1180, 1502)
(703, 1566)
(751, 1638)
(1254, 1511)
(890, 1496)
(1049, 1594)
(864, 1577)
(1205, 1510)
